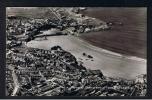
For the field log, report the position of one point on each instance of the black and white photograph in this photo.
(76, 51)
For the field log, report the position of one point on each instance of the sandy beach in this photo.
(110, 63)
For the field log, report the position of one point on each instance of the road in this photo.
(15, 80)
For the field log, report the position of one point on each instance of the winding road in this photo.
(15, 80)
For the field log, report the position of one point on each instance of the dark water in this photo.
(128, 38)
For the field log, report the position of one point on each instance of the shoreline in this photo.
(136, 58)
(110, 63)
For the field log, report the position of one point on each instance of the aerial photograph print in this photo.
(76, 51)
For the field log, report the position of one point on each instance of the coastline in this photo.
(112, 64)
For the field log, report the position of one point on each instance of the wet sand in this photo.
(110, 63)
(127, 39)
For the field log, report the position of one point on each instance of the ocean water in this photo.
(128, 38)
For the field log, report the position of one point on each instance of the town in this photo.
(56, 72)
